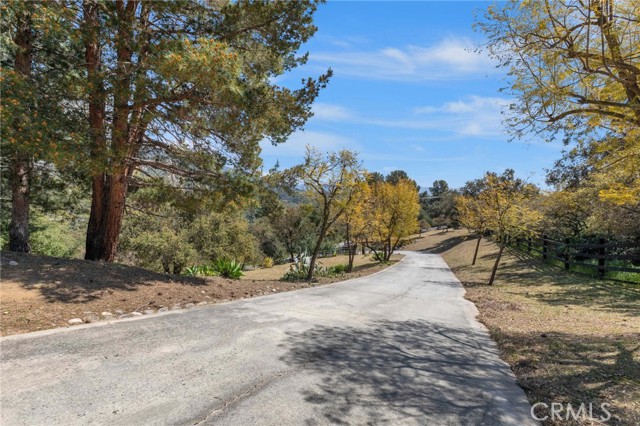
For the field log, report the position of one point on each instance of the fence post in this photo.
(602, 251)
(529, 245)
(544, 247)
(567, 265)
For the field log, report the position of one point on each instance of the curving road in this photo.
(400, 347)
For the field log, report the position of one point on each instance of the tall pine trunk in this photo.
(109, 183)
(21, 167)
(19, 229)
(105, 220)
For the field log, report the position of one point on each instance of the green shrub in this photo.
(338, 269)
(299, 271)
(54, 236)
(378, 257)
(228, 268)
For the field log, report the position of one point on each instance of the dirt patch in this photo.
(42, 292)
(568, 338)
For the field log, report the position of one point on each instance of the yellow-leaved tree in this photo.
(471, 215)
(331, 182)
(353, 221)
(574, 70)
(392, 214)
(505, 205)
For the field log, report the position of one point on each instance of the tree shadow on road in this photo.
(447, 244)
(404, 371)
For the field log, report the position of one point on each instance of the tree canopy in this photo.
(574, 69)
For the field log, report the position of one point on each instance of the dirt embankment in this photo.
(40, 292)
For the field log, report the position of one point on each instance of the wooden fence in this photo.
(599, 258)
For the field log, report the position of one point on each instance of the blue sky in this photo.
(409, 92)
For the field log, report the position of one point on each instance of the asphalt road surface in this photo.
(400, 347)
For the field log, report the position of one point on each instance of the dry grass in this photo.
(568, 338)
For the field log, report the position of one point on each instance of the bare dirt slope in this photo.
(43, 292)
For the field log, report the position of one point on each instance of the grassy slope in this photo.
(568, 338)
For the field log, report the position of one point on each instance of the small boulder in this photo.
(90, 317)
(201, 303)
(149, 312)
(107, 314)
(176, 306)
(136, 314)
(163, 309)
(75, 321)
(189, 305)
(14, 263)
(119, 312)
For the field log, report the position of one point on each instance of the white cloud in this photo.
(472, 104)
(295, 146)
(450, 58)
(472, 116)
(330, 112)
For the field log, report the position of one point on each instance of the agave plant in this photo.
(192, 271)
(228, 268)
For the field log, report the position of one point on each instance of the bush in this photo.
(267, 262)
(299, 271)
(55, 237)
(338, 269)
(378, 257)
(228, 268)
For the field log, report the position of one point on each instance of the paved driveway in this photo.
(397, 347)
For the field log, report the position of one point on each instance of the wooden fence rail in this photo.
(601, 257)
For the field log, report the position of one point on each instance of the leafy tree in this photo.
(330, 182)
(504, 205)
(353, 222)
(438, 203)
(268, 239)
(223, 235)
(37, 126)
(566, 213)
(473, 217)
(163, 233)
(374, 177)
(185, 89)
(392, 214)
(158, 241)
(440, 187)
(574, 67)
(295, 229)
